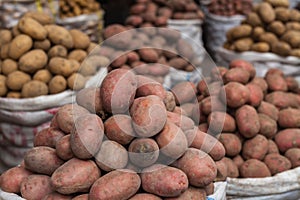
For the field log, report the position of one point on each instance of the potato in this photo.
(36, 187)
(292, 83)
(282, 14)
(185, 50)
(292, 38)
(4, 51)
(191, 193)
(11, 179)
(287, 139)
(137, 9)
(178, 63)
(293, 26)
(148, 115)
(63, 148)
(283, 99)
(32, 61)
(243, 44)
(89, 98)
(42, 75)
(42, 160)
(182, 121)
(33, 89)
(134, 20)
(279, 3)
(236, 75)
(16, 80)
(276, 82)
(272, 147)
(16, 95)
(277, 163)
(147, 86)
(80, 39)
(268, 109)
(268, 37)
(57, 196)
(222, 170)
(294, 15)
(148, 55)
(193, 160)
(277, 27)
(19, 46)
(121, 82)
(293, 155)
(6, 37)
(247, 121)
(256, 94)
(259, 81)
(232, 169)
(115, 185)
(41, 17)
(257, 31)
(78, 55)
(3, 87)
(268, 126)
(57, 84)
(164, 181)
(32, 28)
(67, 115)
(241, 31)
(47, 137)
(8, 66)
(86, 136)
(169, 101)
(142, 196)
(184, 92)
(260, 47)
(60, 66)
(60, 35)
(235, 94)
(117, 42)
(254, 168)
(209, 189)
(266, 12)
(231, 143)
(238, 161)
(211, 103)
(76, 81)
(253, 19)
(221, 122)
(289, 118)
(57, 51)
(42, 44)
(281, 48)
(256, 148)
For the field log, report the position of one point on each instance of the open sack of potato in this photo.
(128, 138)
(261, 130)
(42, 65)
(269, 37)
(83, 15)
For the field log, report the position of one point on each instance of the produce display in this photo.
(118, 142)
(270, 27)
(71, 8)
(261, 124)
(40, 58)
(230, 8)
(145, 13)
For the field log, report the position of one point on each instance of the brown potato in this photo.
(277, 27)
(268, 37)
(76, 81)
(47, 137)
(60, 66)
(277, 163)
(33, 61)
(41, 17)
(185, 50)
(16, 95)
(19, 46)
(33, 89)
(42, 44)
(4, 51)
(60, 35)
(272, 147)
(281, 48)
(80, 39)
(247, 121)
(16, 80)
(8, 66)
(57, 51)
(57, 84)
(243, 44)
(253, 19)
(63, 148)
(169, 101)
(147, 86)
(77, 54)
(32, 28)
(282, 14)
(256, 148)
(240, 32)
(257, 32)
(42, 75)
(254, 168)
(36, 187)
(260, 47)
(266, 12)
(3, 87)
(6, 36)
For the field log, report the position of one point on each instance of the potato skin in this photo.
(236, 94)
(16, 80)
(115, 185)
(164, 181)
(289, 118)
(75, 176)
(293, 155)
(32, 28)
(256, 94)
(81, 197)
(256, 147)
(42, 75)
(89, 98)
(33, 89)
(260, 47)
(8, 66)
(80, 40)
(60, 35)
(190, 163)
(266, 12)
(222, 170)
(42, 160)
(10, 180)
(231, 143)
(184, 92)
(60, 66)
(57, 196)
(247, 121)
(218, 119)
(86, 136)
(254, 168)
(287, 139)
(272, 147)
(33, 61)
(19, 46)
(36, 187)
(268, 126)
(63, 148)
(283, 99)
(43, 44)
(268, 109)
(3, 87)
(147, 86)
(277, 163)
(143, 196)
(47, 137)
(57, 84)
(182, 121)
(236, 75)
(57, 51)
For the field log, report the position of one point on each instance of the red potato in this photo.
(147, 86)
(261, 82)
(254, 168)
(111, 156)
(143, 196)
(247, 121)
(235, 94)
(192, 161)
(182, 121)
(283, 99)
(57, 196)
(178, 63)
(222, 170)
(164, 181)
(232, 169)
(244, 65)
(90, 99)
(202, 85)
(134, 20)
(213, 89)
(221, 122)
(184, 92)
(87, 135)
(118, 58)
(209, 189)
(256, 94)
(211, 103)
(256, 147)
(272, 147)
(148, 115)
(36, 187)
(75, 176)
(191, 193)
(172, 141)
(188, 108)
(54, 123)
(218, 73)
(67, 115)
(292, 83)
(118, 90)
(236, 75)
(119, 128)
(115, 185)
(205, 142)
(289, 118)
(148, 55)
(47, 137)
(276, 82)
(293, 155)
(203, 127)
(63, 148)
(238, 161)
(277, 163)
(10, 180)
(268, 126)
(42, 160)
(184, 49)
(132, 56)
(268, 109)
(231, 143)
(287, 139)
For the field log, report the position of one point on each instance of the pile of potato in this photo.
(261, 132)
(117, 143)
(145, 13)
(73, 8)
(270, 27)
(230, 8)
(38, 57)
(152, 50)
